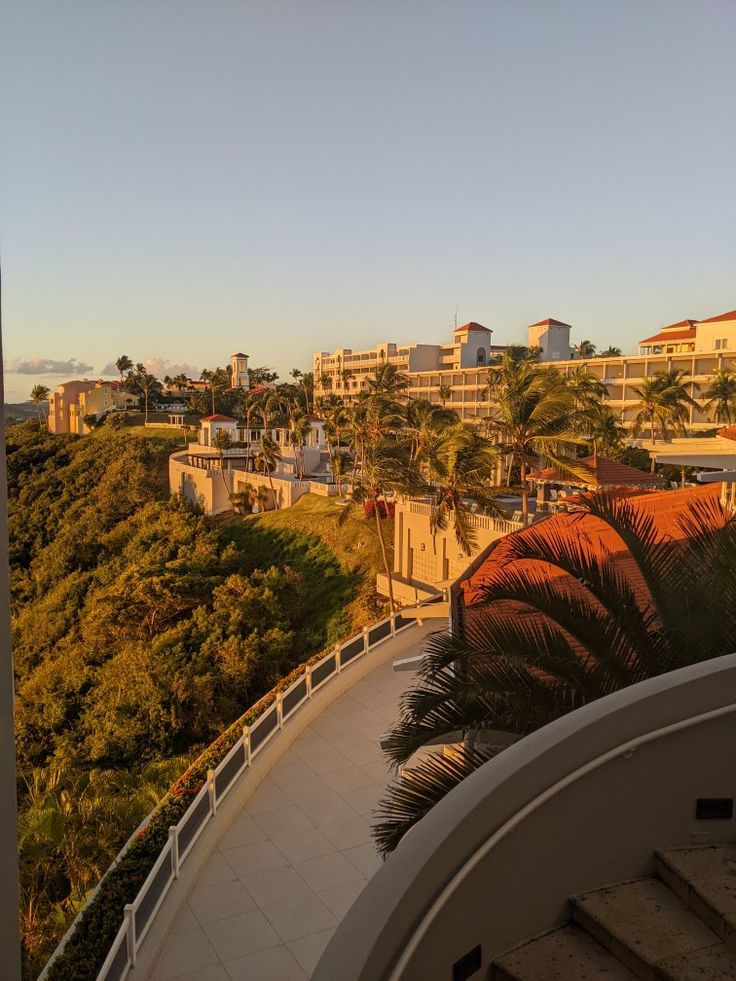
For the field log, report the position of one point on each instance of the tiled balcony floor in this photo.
(294, 860)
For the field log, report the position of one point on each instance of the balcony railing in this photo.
(728, 496)
(482, 521)
(140, 914)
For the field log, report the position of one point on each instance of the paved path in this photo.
(294, 860)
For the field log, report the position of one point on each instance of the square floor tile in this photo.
(299, 917)
(304, 844)
(214, 973)
(348, 832)
(268, 797)
(220, 900)
(308, 950)
(183, 953)
(215, 869)
(327, 870)
(365, 799)
(326, 760)
(308, 787)
(349, 778)
(273, 964)
(185, 920)
(328, 810)
(284, 821)
(240, 935)
(256, 857)
(271, 887)
(242, 831)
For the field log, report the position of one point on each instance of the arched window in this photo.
(481, 358)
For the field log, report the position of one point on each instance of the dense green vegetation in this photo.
(142, 629)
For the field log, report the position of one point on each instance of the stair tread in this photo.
(711, 964)
(710, 870)
(565, 953)
(645, 917)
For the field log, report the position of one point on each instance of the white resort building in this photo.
(207, 476)
(457, 373)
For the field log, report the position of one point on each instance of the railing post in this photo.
(246, 743)
(308, 677)
(338, 665)
(174, 839)
(211, 790)
(365, 640)
(280, 710)
(392, 623)
(129, 918)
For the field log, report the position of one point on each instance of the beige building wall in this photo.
(716, 336)
(60, 403)
(425, 563)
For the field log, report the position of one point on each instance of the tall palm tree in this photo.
(298, 435)
(388, 382)
(532, 417)
(604, 430)
(325, 381)
(223, 441)
(269, 455)
(463, 467)
(665, 404)
(145, 383)
(423, 425)
(39, 395)
(585, 349)
(385, 468)
(124, 365)
(445, 393)
(721, 395)
(610, 352)
(514, 673)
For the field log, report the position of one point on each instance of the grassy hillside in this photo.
(141, 629)
(297, 534)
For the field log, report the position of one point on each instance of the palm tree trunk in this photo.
(384, 553)
(146, 415)
(524, 494)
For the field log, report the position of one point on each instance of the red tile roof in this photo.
(731, 315)
(549, 322)
(728, 432)
(472, 326)
(597, 538)
(599, 472)
(217, 418)
(683, 330)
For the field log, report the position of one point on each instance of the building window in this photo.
(721, 343)
(481, 356)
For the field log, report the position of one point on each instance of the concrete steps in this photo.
(679, 925)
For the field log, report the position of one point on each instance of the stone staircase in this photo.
(678, 925)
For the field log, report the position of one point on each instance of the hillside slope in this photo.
(141, 629)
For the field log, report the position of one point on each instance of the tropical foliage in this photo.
(586, 631)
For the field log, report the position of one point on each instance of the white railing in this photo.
(485, 521)
(728, 496)
(139, 914)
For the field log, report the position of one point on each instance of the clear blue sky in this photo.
(183, 179)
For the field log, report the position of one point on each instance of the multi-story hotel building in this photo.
(73, 401)
(457, 373)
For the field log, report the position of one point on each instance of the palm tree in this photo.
(722, 395)
(586, 631)
(585, 349)
(385, 468)
(533, 417)
(463, 467)
(145, 382)
(217, 380)
(269, 455)
(388, 382)
(339, 463)
(665, 402)
(445, 393)
(345, 376)
(39, 395)
(423, 426)
(604, 430)
(610, 352)
(325, 381)
(124, 365)
(298, 436)
(223, 441)
(243, 500)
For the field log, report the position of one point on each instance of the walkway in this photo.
(293, 861)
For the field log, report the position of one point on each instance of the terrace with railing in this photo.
(287, 729)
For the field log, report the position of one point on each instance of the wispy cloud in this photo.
(158, 367)
(49, 366)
